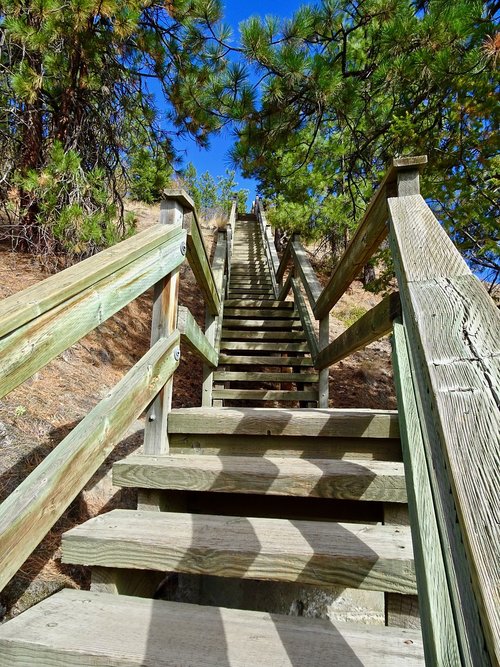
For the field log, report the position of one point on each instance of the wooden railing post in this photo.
(324, 340)
(164, 319)
(165, 301)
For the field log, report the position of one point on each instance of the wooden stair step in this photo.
(272, 347)
(81, 628)
(283, 476)
(318, 553)
(230, 334)
(265, 395)
(267, 313)
(258, 303)
(250, 283)
(332, 422)
(260, 325)
(253, 360)
(259, 376)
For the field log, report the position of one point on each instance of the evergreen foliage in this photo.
(347, 85)
(74, 100)
(213, 196)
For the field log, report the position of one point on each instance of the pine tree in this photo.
(75, 77)
(347, 85)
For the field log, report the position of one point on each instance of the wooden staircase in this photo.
(265, 492)
(264, 354)
(224, 461)
(271, 494)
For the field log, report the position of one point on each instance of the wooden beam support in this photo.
(37, 503)
(306, 273)
(284, 260)
(193, 336)
(369, 234)
(438, 628)
(165, 302)
(374, 324)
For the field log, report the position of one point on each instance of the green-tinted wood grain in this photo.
(452, 327)
(438, 628)
(32, 509)
(194, 337)
(32, 302)
(33, 345)
(370, 557)
(374, 324)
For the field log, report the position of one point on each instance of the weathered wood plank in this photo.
(309, 552)
(401, 611)
(32, 302)
(165, 300)
(321, 478)
(265, 395)
(285, 259)
(164, 318)
(197, 254)
(33, 345)
(193, 336)
(197, 257)
(306, 273)
(261, 325)
(452, 326)
(231, 334)
(231, 376)
(374, 324)
(264, 361)
(424, 248)
(277, 421)
(36, 504)
(268, 313)
(438, 628)
(305, 319)
(286, 287)
(269, 347)
(364, 449)
(121, 630)
(258, 303)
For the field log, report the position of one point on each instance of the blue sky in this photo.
(215, 160)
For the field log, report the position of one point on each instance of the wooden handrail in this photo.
(305, 319)
(37, 503)
(31, 346)
(271, 254)
(452, 328)
(370, 233)
(306, 272)
(21, 307)
(374, 324)
(197, 254)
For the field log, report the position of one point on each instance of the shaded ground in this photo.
(37, 415)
